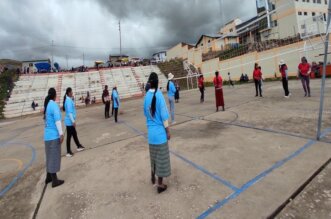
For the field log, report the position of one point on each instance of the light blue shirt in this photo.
(53, 114)
(69, 106)
(156, 131)
(116, 99)
(172, 89)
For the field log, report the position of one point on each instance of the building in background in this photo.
(160, 56)
(36, 66)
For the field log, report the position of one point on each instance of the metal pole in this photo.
(67, 61)
(119, 29)
(52, 64)
(83, 59)
(319, 125)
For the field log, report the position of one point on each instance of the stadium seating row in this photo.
(129, 82)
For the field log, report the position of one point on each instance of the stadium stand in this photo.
(34, 87)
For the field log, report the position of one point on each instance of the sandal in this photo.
(162, 188)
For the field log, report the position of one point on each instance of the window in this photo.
(307, 1)
(231, 30)
(201, 44)
(299, 13)
(326, 2)
(275, 23)
(324, 15)
(314, 1)
(313, 14)
(305, 13)
(208, 41)
(319, 1)
(303, 0)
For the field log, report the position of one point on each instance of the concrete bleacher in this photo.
(35, 87)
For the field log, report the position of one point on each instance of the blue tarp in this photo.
(43, 67)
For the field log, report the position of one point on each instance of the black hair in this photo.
(51, 96)
(256, 66)
(168, 85)
(216, 74)
(154, 82)
(65, 97)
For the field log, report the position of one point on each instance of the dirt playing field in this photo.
(241, 163)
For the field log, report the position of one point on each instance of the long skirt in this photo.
(219, 97)
(160, 159)
(53, 156)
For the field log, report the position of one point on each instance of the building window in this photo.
(201, 44)
(275, 23)
(208, 41)
(324, 15)
(313, 14)
(231, 30)
(326, 2)
(307, 1)
(305, 13)
(314, 1)
(319, 1)
(299, 13)
(303, 0)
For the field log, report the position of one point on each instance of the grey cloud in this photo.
(28, 27)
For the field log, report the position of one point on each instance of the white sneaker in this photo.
(173, 123)
(80, 149)
(69, 155)
(287, 97)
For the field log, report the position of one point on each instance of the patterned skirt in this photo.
(160, 159)
(53, 156)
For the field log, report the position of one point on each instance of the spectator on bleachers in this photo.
(201, 86)
(116, 102)
(34, 105)
(87, 99)
(171, 96)
(94, 100)
(157, 116)
(246, 78)
(177, 92)
(106, 101)
(218, 84)
(70, 121)
(242, 78)
(53, 137)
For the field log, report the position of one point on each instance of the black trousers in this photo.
(71, 132)
(112, 108)
(202, 92)
(116, 113)
(258, 87)
(107, 108)
(285, 86)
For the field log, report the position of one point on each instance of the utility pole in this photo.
(119, 29)
(67, 62)
(52, 64)
(327, 39)
(83, 59)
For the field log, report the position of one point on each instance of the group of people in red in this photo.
(304, 69)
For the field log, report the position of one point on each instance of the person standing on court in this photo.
(257, 76)
(116, 101)
(303, 73)
(171, 96)
(177, 92)
(53, 137)
(284, 72)
(156, 113)
(106, 101)
(218, 84)
(201, 86)
(70, 121)
(230, 80)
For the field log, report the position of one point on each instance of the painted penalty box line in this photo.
(259, 177)
(191, 163)
(21, 173)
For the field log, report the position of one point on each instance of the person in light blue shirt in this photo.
(171, 88)
(116, 101)
(70, 121)
(53, 137)
(156, 113)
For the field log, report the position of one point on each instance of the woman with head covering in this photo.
(303, 73)
(70, 121)
(171, 96)
(156, 113)
(218, 84)
(257, 76)
(116, 101)
(284, 72)
(106, 101)
(53, 137)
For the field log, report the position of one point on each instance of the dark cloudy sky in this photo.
(27, 27)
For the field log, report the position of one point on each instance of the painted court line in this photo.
(259, 177)
(196, 166)
(21, 173)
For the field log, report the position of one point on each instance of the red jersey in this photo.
(257, 74)
(200, 82)
(283, 70)
(304, 68)
(218, 82)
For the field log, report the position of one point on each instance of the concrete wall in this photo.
(175, 52)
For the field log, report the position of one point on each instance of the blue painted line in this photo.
(325, 132)
(196, 166)
(21, 173)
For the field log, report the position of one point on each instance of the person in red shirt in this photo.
(303, 73)
(257, 76)
(283, 70)
(218, 84)
(201, 86)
